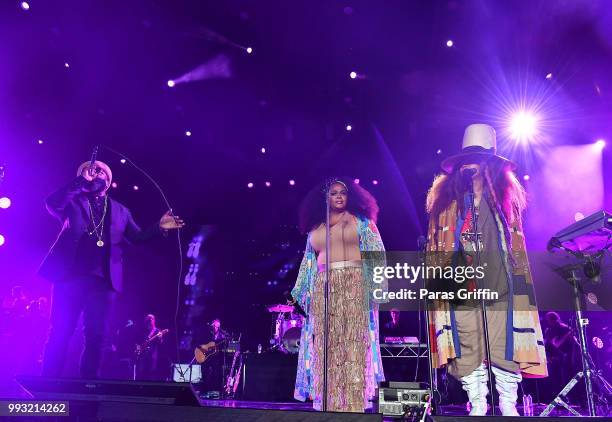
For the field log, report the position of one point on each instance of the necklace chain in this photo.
(100, 224)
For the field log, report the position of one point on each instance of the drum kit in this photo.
(286, 328)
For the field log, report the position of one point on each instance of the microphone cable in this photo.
(180, 249)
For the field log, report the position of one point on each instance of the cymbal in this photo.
(280, 308)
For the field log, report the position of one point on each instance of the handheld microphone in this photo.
(94, 155)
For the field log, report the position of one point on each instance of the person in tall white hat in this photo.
(515, 335)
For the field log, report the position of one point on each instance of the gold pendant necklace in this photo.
(100, 225)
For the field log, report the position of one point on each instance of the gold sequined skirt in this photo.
(350, 376)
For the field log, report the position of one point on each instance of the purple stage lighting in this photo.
(374, 182)
(114, 185)
(249, 50)
(1, 240)
(263, 150)
(450, 43)
(25, 5)
(600, 143)
(523, 126)
(292, 182)
(171, 83)
(136, 187)
(187, 133)
(356, 181)
(268, 184)
(5, 202)
(353, 75)
(349, 128)
(40, 142)
(549, 76)
(526, 177)
(122, 161)
(250, 185)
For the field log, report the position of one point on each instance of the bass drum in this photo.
(291, 331)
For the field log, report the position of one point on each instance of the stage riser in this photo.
(157, 413)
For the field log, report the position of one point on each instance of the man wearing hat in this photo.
(84, 263)
(515, 335)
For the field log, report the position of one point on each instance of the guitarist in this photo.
(212, 368)
(147, 350)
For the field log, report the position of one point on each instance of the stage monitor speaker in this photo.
(73, 389)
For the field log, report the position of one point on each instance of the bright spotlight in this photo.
(40, 142)
(549, 76)
(136, 187)
(374, 182)
(249, 50)
(250, 185)
(353, 75)
(526, 177)
(450, 43)
(171, 83)
(25, 5)
(292, 182)
(122, 161)
(600, 143)
(523, 126)
(187, 133)
(268, 184)
(1, 240)
(349, 128)
(5, 202)
(356, 181)
(263, 150)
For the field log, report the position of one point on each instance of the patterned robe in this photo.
(524, 340)
(369, 240)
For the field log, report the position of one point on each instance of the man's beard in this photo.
(96, 186)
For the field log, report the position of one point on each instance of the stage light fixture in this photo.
(268, 184)
(292, 182)
(549, 76)
(450, 43)
(136, 187)
(1, 240)
(526, 177)
(114, 185)
(600, 143)
(523, 126)
(353, 75)
(5, 202)
(122, 161)
(40, 142)
(25, 5)
(375, 182)
(249, 50)
(187, 133)
(356, 181)
(349, 128)
(263, 150)
(250, 185)
(171, 83)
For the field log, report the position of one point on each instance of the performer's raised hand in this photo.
(171, 222)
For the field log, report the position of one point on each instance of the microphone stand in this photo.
(485, 324)
(433, 384)
(326, 295)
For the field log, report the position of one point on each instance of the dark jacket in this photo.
(69, 205)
